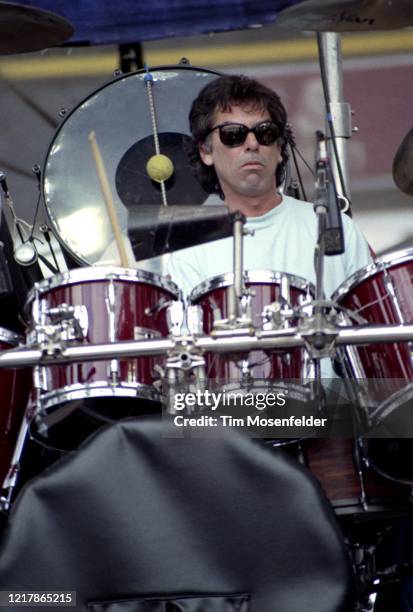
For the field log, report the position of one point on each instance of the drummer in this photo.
(240, 137)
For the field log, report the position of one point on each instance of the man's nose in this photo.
(251, 143)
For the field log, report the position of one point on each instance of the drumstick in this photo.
(107, 196)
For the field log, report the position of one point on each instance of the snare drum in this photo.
(292, 368)
(14, 396)
(100, 305)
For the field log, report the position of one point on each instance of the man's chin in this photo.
(254, 189)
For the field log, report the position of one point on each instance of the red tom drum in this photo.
(100, 305)
(382, 293)
(292, 368)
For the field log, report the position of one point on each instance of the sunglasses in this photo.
(235, 134)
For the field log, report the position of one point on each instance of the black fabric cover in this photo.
(133, 516)
(235, 603)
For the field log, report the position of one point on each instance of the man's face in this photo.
(247, 170)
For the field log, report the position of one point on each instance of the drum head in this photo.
(119, 114)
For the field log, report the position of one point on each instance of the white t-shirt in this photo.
(283, 241)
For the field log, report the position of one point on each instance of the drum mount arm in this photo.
(54, 327)
(319, 330)
(239, 310)
(185, 364)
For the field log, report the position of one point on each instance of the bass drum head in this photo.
(120, 115)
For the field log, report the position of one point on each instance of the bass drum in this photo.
(120, 115)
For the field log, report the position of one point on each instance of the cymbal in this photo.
(24, 29)
(155, 230)
(347, 15)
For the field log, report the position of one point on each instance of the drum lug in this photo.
(194, 320)
(39, 379)
(175, 317)
(277, 316)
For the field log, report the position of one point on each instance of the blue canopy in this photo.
(99, 22)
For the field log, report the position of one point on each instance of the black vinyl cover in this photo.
(136, 522)
(155, 230)
(234, 603)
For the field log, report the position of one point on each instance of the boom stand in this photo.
(338, 112)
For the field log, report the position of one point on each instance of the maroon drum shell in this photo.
(332, 463)
(280, 365)
(15, 387)
(136, 306)
(370, 299)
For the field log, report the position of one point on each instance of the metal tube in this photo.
(319, 257)
(329, 44)
(236, 291)
(220, 343)
(239, 257)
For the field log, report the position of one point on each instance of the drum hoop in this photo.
(250, 276)
(380, 264)
(79, 257)
(97, 389)
(11, 337)
(102, 273)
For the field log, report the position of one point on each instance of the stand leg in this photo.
(12, 476)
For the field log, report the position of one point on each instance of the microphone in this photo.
(403, 165)
(326, 197)
(321, 182)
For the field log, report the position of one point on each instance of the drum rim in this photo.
(250, 276)
(378, 265)
(98, 389)
(79, 257)
(101, 273)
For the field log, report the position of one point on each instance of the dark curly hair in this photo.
(220, 95)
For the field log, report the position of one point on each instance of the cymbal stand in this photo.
(10, 481)
(338, 112)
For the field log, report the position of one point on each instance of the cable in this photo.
(300, 180)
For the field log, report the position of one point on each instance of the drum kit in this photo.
(104, 342)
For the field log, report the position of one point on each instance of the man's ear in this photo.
(205, 152)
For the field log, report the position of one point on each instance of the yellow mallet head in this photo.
(159, 168)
